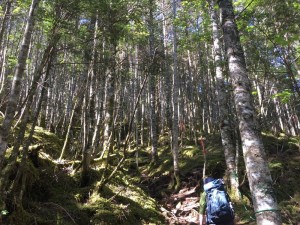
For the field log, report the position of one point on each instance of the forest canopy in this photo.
(94, 88)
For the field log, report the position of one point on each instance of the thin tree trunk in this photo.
(166, 70)
(89, 114)
(259, 176)
(109, 99)
(104, 180)
(3, 50)
(152, 85)
(70, 125)
(175, 96)
(5, 18)
(15, 89)
(48, 53)
(17, 185)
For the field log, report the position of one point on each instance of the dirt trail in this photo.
(179, 208)
(182, 208)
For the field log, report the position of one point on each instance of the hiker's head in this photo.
(208, 179)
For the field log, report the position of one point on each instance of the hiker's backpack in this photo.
(219, 208)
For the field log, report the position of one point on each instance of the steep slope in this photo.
(141, 193)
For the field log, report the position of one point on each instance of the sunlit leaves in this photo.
(284, 96)
(137, 31)
(12, 61)
(192, 23)
(280, 40)
(17, 10)
(297, 51)
(22, 6)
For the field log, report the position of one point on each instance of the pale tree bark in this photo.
(175, 96)
(15, 89)
(47, 55)
(166, 65)
(77, 102)
(152, 85)
(207, 87)
(89, 111)
(109, 101)
(258, 88)
(7, 171)
(18, 186)
(259, 176)
(191, 106)
(105, 179)
(224, 121)
(138, 133)
(203, 89)
(75, 106)
(4, 21)
(3, 50)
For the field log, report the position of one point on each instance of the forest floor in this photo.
(140, 193)
(179, 207)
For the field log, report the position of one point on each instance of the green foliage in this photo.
(284, 96)
(12, 61)
(275, 165)
(16, 10)
(136, 32)
(22, 6)
(192, 25)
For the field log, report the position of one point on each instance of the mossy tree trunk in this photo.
(16, 85)
(18, 187)
(47, 55)
(27, 115)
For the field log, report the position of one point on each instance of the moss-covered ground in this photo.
(137, 192)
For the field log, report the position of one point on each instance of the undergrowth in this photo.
(54, 194)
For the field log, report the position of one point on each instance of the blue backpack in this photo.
(219, 208)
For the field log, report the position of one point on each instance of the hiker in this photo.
(215, 205)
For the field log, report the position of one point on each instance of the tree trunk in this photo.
(259, 176)
(109, 99)
(70, 125)
(18, 186)
(15, 89)
(166, 67)
(89, 111)
(152, 85)
(48, 53)
(3, 50)
(224, 120)
(5, 18)
(175, 96)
